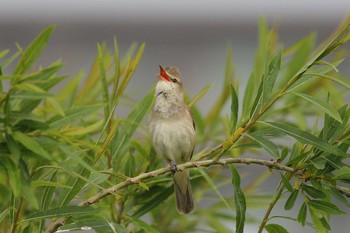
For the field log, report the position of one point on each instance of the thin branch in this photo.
(137, 179)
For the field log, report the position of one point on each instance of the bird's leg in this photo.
(174, 168)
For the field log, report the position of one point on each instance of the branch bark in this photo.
(137, 179)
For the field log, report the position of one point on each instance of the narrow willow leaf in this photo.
(33, 51)
(312, 191)
(26, 191)
(316, 220)
(13, 174)
(240, 202)
(73, 114)
(286, 183)
(307, 138)
(325, 206)
(76, 183)
(142, 225)
(291, 200)
(275, 228)
(119, 142)
(40, 183)
(214, 187)
(200, 94)
(31, 144)
(46, 198)
(6, 212)
(303, 50)
(54, 107)
(104, 82)
(324, 106)
(61, 212)
(116, 75)
(234, 108)
(342, 174)
(84, 130)
(271, 75)
(302, 214)
(313, 72)
(158, 198)
(99, 225)
(269, 146)
(4, 53)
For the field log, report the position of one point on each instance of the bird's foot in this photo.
(174, 168)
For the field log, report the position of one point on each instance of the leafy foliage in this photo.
(59, 148)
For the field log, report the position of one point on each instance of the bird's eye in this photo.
(174, 80)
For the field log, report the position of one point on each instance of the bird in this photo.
(172, 131)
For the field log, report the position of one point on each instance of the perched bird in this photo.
(173, 133)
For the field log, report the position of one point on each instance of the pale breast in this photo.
(173, 139)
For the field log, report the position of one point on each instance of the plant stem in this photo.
(15, 220)
(272, 204)
(137, 179)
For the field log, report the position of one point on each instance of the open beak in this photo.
(163, 75)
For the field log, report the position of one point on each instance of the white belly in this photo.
(173, 139)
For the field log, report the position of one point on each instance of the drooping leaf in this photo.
(325, 206)
(324, 106)
(312, 191)
(291, 200)
(269, 146)
(62, 211)
(286, 183)
(306, 138)
(31, 144)
(240, 202)
(214, 187)
(302, 214)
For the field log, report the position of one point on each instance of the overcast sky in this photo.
(154, 10)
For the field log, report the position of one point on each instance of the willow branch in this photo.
(137, 179)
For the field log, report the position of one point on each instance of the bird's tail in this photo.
(183, 192)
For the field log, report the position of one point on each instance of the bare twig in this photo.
(135, 180)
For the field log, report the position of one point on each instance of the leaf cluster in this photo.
(63, 142)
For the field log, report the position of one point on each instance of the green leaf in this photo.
(240, 202)
(200, 94)
(33, 51)
(76, 182)
(73, 114)
(291, 200)
(325, 206)
(125, 132)
(302, 214)
(62, 211)
(286, 183)
(307, 138)
(214, 187)
(142, 225)
(316, 220)
(275, 228)
(269, 146)
(157, 199)
(270, 75)
(5, 212)
(46, 198)
(234, 108)
(312, 191)
(31, 144)
(342, 174)
(13, 174)
(324, 106)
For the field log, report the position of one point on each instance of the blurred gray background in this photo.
(192, 35)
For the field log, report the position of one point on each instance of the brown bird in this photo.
(173, 133)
